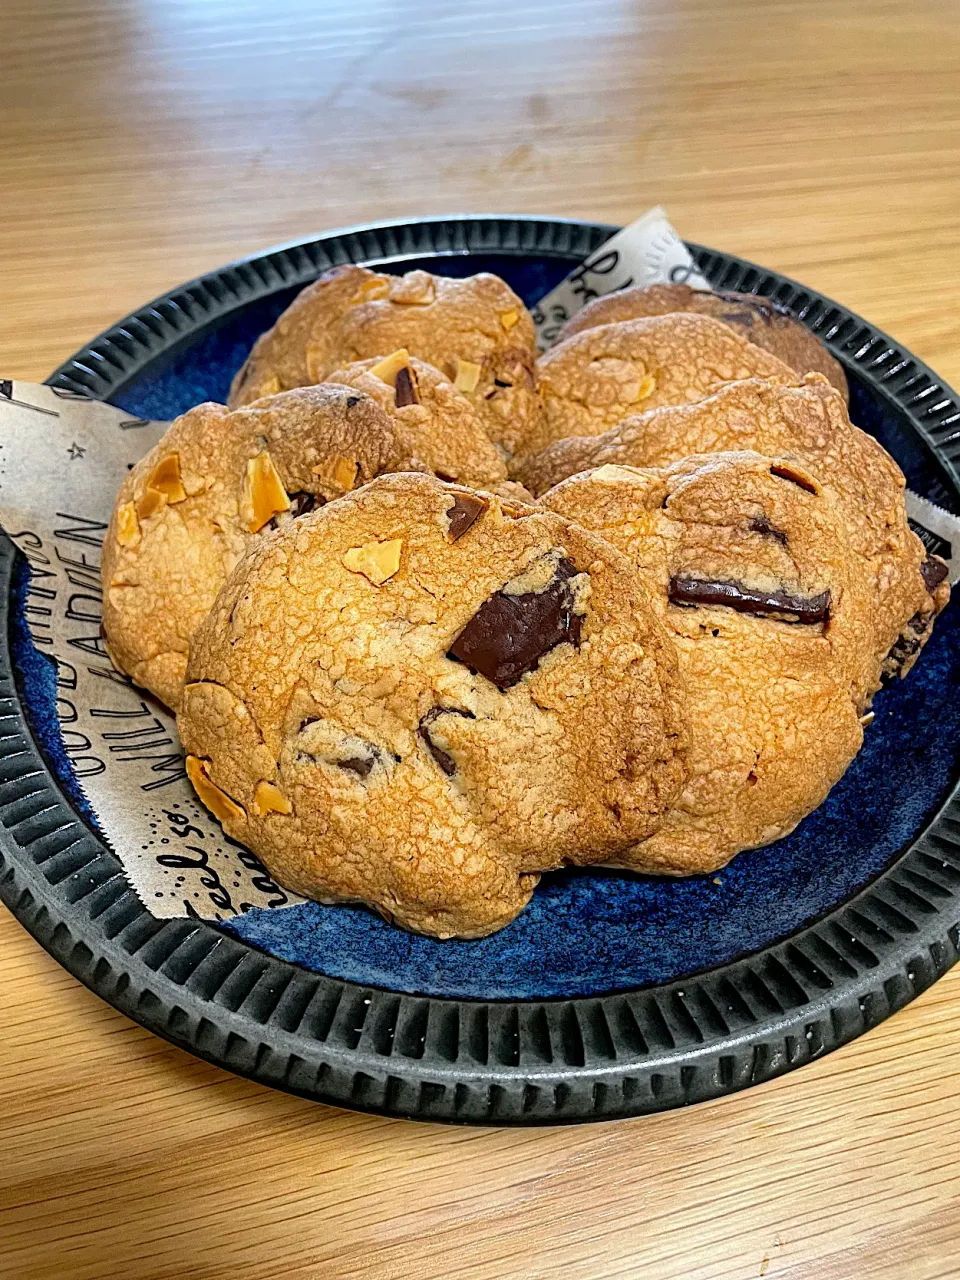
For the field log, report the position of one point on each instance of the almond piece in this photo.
(269, 387)
(341, 471)
(388, 368)
(270, 799)
(467, 376)
(150, 503)
(377, 561)
(371, 291)
(647, 387)
(128, 526)
(166, 479)
(415, 289)
(223, 807)
(509, 318)
(262, 495)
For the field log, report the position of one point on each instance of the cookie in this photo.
(749, 564)
(188, 510)
(441, 424)
(419, 697)
(476, 331)
(760, 320)
(594, 379)
(806, 423)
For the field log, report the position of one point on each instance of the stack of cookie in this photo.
(437, 616)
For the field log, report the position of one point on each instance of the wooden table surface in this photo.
(145, 141)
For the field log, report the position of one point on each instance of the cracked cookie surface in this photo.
(476, 331)
(806, 422)
(760, 320)
(749, 565)
(450, 693)
(218, 479)
(594, 379)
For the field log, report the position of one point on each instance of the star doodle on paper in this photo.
(76, 450)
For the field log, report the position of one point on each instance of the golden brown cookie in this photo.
(441, 424)
(595, 379)
(189, 509)
(760, 320)
(807, 423)
(749, 562)
(419, 697)
(476, 331)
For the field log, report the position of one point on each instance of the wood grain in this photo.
(144, 142)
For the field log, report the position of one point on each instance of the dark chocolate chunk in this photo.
(466, 511)
(301, 503)
(907, 646)
(509, 634)
(360, 765)
(745, 599)
(760, 524)
(933, 571)
(405, 389)
(443, 758)
(787, 473)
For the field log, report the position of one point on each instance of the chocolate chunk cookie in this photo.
(594, 379)
(807, 424)
(419, 697)
(476, 331)
(750, 565)
(217, 480)
(760, 320)
(441, 424)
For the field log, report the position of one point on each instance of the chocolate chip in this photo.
(509, 634)
(352, 400)
(359, 765)
(933, 571)
(745, 599)
(760, 524)
(907, 646)
(405, 389)
(466, 511)
(787, 473)
(301, 503)
(443, 758)
(499, 382)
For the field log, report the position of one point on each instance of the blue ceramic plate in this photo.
(611, 994)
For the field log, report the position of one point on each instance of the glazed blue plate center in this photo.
(588, 932)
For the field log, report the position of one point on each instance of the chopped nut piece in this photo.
(343, 472)
(222, 806)
(467, 376)
(262, 495)
(150, 503)
(165, 478)
(647, 387)
(269, 387)
(405, 388)
(371, 291)
(509, 318)
(270, 799)
(377, 561)
(415, 289)
(128, 526)
(390, 366)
